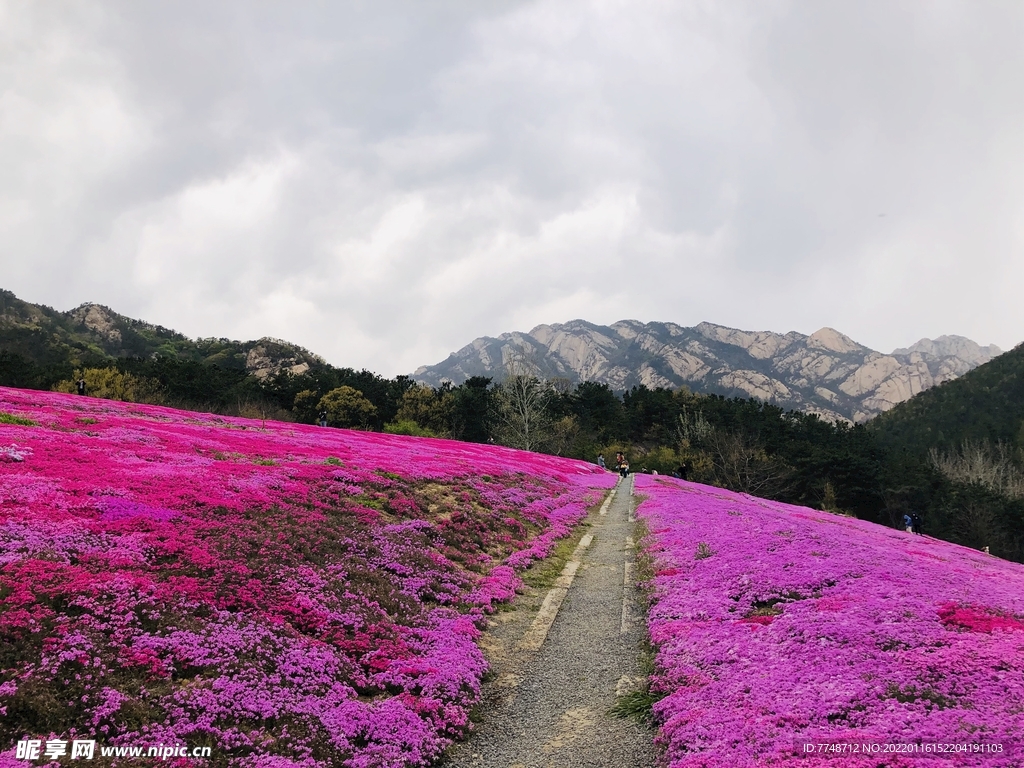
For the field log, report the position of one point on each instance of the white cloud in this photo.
(384, 182)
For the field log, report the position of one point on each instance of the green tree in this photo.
(472, 410)
(346, 407)
(428, 408)
(598, 411)
(305, 406)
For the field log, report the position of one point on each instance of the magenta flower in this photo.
(291, 596)
(777, 626)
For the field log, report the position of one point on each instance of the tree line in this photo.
(970, 493)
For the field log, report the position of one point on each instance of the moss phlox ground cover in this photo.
(777, 626)
(288, 595)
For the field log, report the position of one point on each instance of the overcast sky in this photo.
(384, 182)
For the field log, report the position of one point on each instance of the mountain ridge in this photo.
(826, 372)
(91, 333)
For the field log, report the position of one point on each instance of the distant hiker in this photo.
(624, 468)
(908, 523)
(321, 418)
(915, 522)
(80, 386)
(620, 459)
(681, 471)
(600, 461)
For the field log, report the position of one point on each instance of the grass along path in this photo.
(556, 676)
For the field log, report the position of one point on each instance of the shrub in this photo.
(112, 384)
(408, 427)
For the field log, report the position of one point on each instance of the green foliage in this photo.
(10, 418)
(112, 384)
(637, 705)
(305, 405)
(407, 427)
(193, 383)
(542, 574)
(430, 409)
(346, 407)
(955, 455)
(472, 410)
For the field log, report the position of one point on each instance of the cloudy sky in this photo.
(382, 182)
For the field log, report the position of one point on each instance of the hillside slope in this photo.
(984, 404)
(825, 373)
(789, 636)
(285, 594)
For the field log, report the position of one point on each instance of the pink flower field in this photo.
(777, 627)
(296, 596)
(287, 595)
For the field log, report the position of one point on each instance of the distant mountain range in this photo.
(825, 373)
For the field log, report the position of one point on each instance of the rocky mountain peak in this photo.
(832, 340)
(947, 346)
(98, 319)
(826, 373)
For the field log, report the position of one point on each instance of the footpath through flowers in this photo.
(286, 595)
(779, 627)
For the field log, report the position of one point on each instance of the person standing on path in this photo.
(80, 386)
(908, 523)
(600, 461)
(321, 418)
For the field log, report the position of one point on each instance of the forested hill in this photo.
(126, 359)
(986, 404)
(92, 334)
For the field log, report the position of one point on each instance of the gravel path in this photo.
(548, 708)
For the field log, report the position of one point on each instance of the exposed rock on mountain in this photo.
(826, 373)
(271, 356)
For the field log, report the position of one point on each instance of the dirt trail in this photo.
(556, 680)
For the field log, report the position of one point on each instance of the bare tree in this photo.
(522, 419)
(736, 461)
(692, 428)
(743, 465)
(980, 462)
(976, 524)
